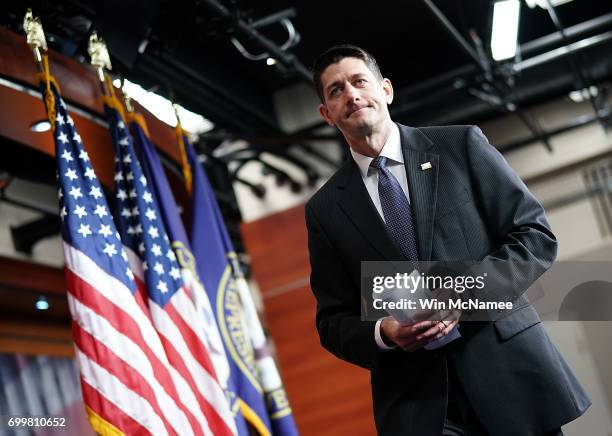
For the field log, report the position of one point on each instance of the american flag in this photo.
(130, 380)
(159, 280)
(164, 198)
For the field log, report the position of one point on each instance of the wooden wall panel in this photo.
(19, 110)
(78, 82)
(22, 275)
(23, 329)
(328, 396)
(278, 247)
(33, 338)
(79, 86)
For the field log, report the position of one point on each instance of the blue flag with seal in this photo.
(160, 188)
(256, 376)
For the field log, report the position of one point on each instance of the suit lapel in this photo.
(358, 207)
(422, 185)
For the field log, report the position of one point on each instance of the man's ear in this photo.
(388, 88)
(325, 114)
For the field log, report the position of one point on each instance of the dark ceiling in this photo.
(189, 49)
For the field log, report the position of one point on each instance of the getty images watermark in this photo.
(485, 291)
(399, 292)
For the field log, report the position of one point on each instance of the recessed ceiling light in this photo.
(40, 126)
(42, 303)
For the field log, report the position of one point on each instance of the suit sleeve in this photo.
(338, 318)
(514, 218)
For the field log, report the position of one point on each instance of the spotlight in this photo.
(40, 126)
(42, 303)
(271, 61)
(504, 30)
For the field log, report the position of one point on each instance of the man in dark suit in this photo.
(431, 194)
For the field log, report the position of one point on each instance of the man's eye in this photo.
(334, 91)
(361, 82)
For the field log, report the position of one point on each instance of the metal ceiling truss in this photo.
(498, 84)
(471, 79)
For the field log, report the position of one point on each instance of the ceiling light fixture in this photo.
(40, 126)
(42, 303)
(162, 108)
(504, 30)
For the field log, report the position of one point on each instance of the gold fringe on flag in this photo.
(100, 425)
(252, 418)
(139, 119)
(110, 97)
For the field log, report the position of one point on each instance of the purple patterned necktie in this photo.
(396, 210)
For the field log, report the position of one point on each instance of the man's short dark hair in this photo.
(334, 55)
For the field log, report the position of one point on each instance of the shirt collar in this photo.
(392, 150)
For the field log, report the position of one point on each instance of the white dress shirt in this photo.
(392, 150)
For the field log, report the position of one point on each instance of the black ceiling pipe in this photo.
(287, 59)
(531, 123)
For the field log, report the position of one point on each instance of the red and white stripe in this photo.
(115, 338)
(181, 329)
(187, 352)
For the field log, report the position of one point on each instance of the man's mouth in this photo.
(351, 112)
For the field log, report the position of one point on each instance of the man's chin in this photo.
(360, 113)
(361, 128)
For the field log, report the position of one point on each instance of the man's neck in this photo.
(372, 143)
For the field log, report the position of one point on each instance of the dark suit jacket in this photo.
(470, 206)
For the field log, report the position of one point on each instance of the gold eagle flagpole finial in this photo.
(35, 36)
(100, 60)
(99, 55)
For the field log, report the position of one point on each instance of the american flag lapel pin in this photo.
(426, 166)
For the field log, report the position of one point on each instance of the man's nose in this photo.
(351, 93)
